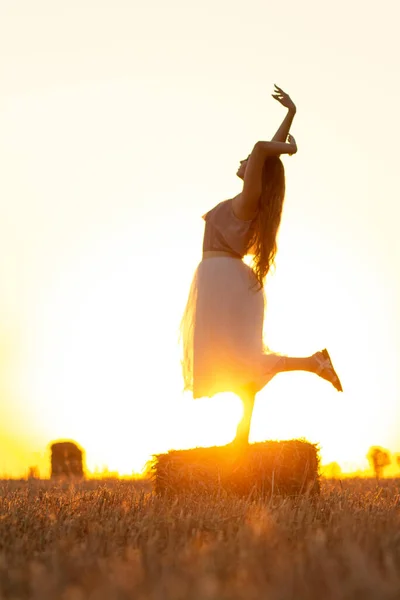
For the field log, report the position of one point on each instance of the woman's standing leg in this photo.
(247, 397)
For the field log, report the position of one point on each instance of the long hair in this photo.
(263, 243)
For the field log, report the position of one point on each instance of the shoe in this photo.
(325, 363)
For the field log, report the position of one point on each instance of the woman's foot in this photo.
(324, 368)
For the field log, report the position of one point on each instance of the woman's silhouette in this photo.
(222, 326)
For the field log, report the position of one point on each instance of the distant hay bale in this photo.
(283, 468)
(66, 460)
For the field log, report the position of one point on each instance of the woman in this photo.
(222, 326)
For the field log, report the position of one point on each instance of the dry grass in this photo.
(120, 541)
(285, 468)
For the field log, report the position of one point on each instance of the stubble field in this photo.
(106, 541)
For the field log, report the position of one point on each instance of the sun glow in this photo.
(106, 368)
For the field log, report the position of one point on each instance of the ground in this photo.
(117, 540)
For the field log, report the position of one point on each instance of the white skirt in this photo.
(222, 330)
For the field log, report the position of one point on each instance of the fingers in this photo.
(280, 90)
(279, 94)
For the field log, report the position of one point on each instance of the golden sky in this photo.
(121, 123)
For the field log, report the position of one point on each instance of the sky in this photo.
(121, 123)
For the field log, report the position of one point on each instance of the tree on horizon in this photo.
(379, 458)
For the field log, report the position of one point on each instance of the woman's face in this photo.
(242, 169)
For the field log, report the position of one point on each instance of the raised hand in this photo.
(284, 98)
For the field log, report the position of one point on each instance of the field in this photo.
(116, 540)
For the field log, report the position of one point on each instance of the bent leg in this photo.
(294, 363)
(319, 363)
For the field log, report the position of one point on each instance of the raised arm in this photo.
(285, 100)
(246, 204)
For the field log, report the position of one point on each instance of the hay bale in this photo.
(66, 460)
(283, 468)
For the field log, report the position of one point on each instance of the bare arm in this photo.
(245, 205)
(283, 131)
(273, 149)
(284, 99)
